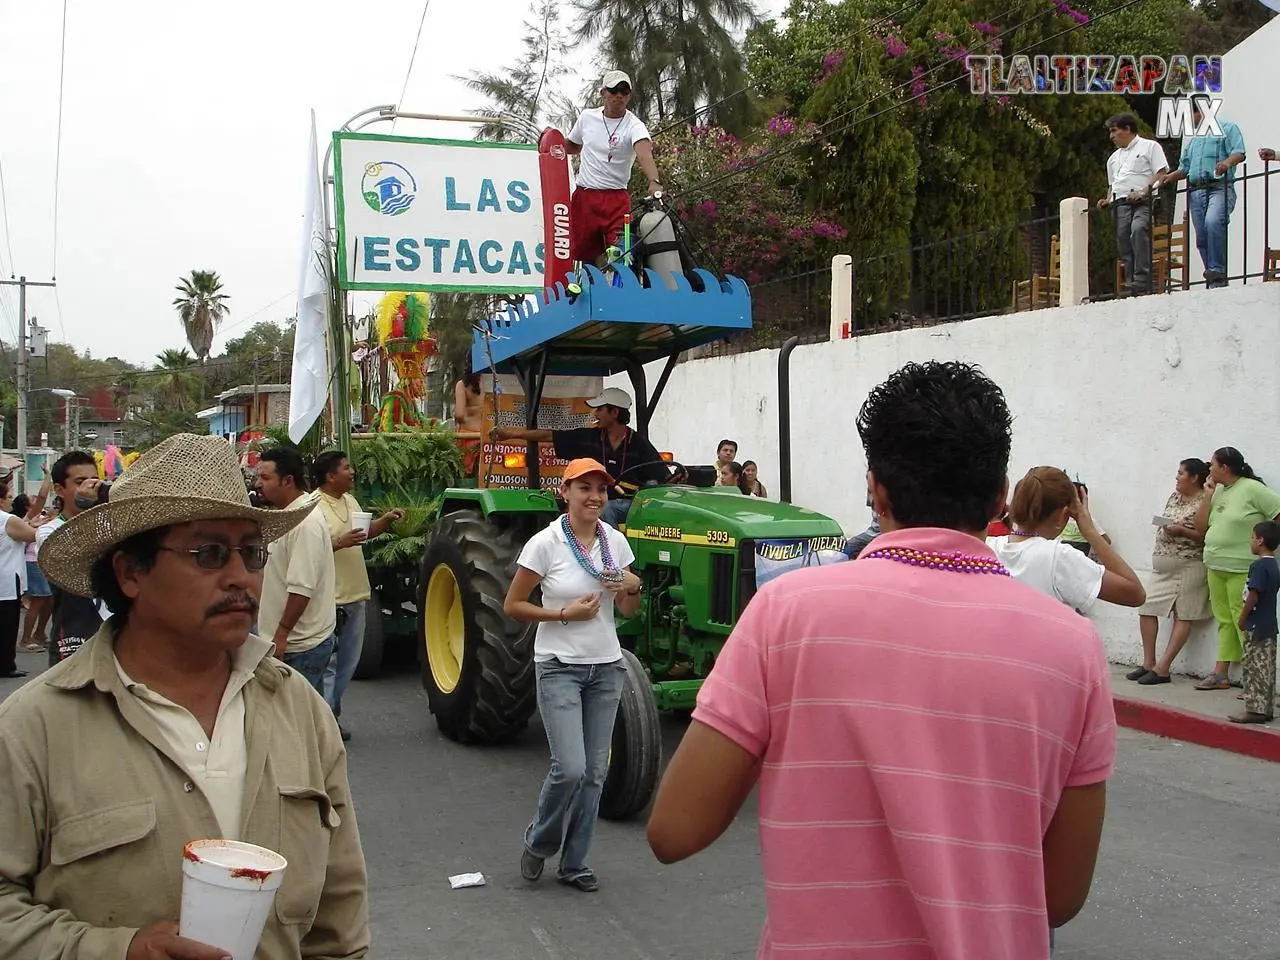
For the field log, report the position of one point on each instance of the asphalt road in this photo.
(1189, 867)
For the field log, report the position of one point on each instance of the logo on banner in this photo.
(388, 187)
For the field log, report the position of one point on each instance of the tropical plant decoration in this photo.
(411, 463)
(404, 540)
(401, 322)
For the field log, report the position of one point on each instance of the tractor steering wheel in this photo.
(675, 469)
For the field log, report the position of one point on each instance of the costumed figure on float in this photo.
(401, 325)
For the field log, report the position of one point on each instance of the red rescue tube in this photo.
(553, 168)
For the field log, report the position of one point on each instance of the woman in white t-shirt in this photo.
(582, 566)
(13, 581)
(1044, 500)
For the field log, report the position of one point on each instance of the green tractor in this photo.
(701, 551)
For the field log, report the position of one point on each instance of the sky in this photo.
(184, 141)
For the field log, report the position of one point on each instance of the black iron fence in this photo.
(1172, 260)
(1010, 268)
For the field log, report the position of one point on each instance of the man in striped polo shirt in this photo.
(931, 738)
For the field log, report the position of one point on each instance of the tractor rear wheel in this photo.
(635, 759)
(477, 664)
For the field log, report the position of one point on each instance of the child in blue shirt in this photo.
(1258, 621)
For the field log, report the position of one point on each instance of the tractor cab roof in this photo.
(611, 327)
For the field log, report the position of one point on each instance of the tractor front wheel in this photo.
(635, 758)
(477, 663)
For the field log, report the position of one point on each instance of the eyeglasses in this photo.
(215, 556)
(621, 88)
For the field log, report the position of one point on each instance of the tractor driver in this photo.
(630, 459)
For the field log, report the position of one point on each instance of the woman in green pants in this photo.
(1239, 500)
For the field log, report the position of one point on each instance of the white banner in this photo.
(418, 214)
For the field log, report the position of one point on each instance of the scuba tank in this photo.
(659, 249)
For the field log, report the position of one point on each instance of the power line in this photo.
(823, 131)
(412, 57)
(834, 44)
(4, 215)
(57, 303)
(260, 310)
(57, 160)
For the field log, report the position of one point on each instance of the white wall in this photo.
(1118, 392)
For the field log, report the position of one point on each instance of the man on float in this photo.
(608, 141)
(630, 459)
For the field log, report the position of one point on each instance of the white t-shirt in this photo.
(1051, 567)
(549, 555)
(1133, 167)
(43, 531)
(608, 148)
(13, 562)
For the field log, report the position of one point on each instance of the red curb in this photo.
(1176, 724)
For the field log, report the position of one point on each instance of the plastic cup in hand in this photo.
(228, 889)
(361, 520)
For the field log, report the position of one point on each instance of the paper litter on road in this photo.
(466, 880)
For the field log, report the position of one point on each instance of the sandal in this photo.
(1249, 717)
(1213, 681)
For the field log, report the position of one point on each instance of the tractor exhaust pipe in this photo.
(784, 418)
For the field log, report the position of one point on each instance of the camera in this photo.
(87, 502)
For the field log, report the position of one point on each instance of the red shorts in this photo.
(595, 221)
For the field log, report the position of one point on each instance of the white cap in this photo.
(613, 78)
(612, 397)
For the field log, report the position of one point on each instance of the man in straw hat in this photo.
(172, 724)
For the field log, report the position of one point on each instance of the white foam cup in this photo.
(361, 520)
(228, 889)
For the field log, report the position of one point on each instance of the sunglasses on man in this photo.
(621, 88)
(215, 556)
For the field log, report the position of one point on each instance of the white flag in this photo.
(309, 387)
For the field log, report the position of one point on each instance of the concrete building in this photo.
(238, 409)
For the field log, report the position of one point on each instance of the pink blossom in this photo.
(942, 36)
(781, 125)
(982, 26)
(796, 233)
(894, 47)
(773, 220)
(957, 52)
(709, 209)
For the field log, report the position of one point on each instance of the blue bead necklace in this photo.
(583, 556)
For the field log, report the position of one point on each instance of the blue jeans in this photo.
(311, 663)
(615, 511)
(342, 665)
(1210, 210)
(578, 703)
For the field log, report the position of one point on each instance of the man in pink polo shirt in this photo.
(932, 738)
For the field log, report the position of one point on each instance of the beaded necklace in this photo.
(1023, 533)
(583, 556)
(956, 561)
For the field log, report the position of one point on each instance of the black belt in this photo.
(1205, 184)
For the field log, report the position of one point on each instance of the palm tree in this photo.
(176, 368)
(201, 308)
(681, 55)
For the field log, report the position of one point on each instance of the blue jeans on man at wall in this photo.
(578, 703)
(311, 663)
(342, 665)
(615, 511)
(1210, 210)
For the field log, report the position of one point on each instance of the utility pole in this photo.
(22, 283)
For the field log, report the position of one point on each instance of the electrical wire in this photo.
(4, 217)
(825, 48)
(260, 310)
(822, 131)
(57, 304)
(412, 57)
(57, 158)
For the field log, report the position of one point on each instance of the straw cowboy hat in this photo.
(179, 480)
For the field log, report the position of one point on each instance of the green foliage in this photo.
(407, 464)
(201, 306)
(404, 540)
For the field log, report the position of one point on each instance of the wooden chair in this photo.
(1040, 292)
(1168, 256)
(1270, 265)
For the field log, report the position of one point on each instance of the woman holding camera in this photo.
(582, 566)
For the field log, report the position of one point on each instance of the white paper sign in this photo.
(419, 214)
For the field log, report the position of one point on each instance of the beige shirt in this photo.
(217, 763)
(97, 806)
(301, 562)
(352, 578)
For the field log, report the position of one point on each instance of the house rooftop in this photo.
(246, 391)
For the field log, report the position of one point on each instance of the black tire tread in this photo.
(373, 644)
(502, 694)
(637, 747)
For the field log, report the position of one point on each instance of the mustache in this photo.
(235, 604)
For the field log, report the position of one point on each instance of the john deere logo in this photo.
(388, 187)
